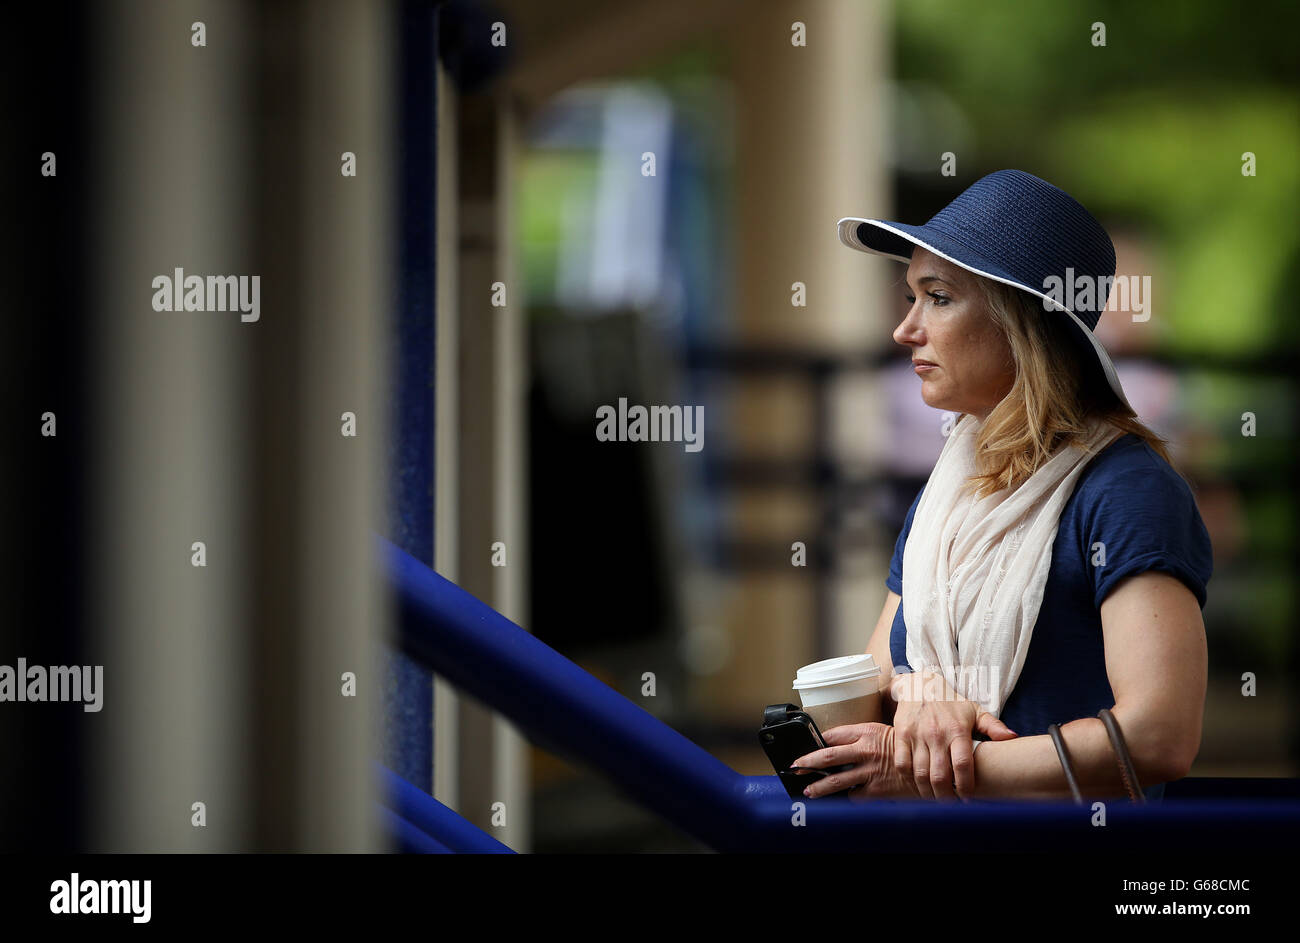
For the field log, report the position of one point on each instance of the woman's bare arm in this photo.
(878, 648)
(1156, 660)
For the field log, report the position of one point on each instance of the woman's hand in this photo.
(932, 740)
(870, 748)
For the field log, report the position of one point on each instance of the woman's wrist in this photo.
(925, 685)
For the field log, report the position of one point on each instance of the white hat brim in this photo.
(848, 233)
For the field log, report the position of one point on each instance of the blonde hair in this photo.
(1059, 390)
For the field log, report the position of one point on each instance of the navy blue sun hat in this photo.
(1014, 228)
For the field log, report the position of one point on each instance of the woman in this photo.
(1052, 516)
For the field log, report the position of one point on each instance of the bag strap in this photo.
(1055, 732)
(1127, 771)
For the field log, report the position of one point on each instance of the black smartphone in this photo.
(787, 734)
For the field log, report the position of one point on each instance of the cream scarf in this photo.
(974, 570)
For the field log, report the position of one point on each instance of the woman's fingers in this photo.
(844, 734)
(842, 755)
(921, 769)
(902, 755)
(963, 766)
(993, 728)
(815, 759)
(941, 772)
(816, 787)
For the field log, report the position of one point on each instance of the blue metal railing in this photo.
(426, 816)
(409, 838)
(575, 715)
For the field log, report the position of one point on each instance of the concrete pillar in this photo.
(493, 464)
(809, 130)
(446, 514)
(223, 682)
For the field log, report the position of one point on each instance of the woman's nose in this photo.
(905, 332)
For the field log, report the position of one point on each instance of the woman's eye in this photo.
(939, 299)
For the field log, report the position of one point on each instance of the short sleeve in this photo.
(1145, 518)
(895, 579)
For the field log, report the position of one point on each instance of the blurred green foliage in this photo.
(1150, 128)
(554, 187)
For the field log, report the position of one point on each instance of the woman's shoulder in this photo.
(1129, 468)
(1129, 485)
(1132, 511)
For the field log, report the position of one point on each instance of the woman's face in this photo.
(949, 327)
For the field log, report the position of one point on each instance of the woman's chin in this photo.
(933, 398)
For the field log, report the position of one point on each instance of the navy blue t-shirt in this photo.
(1133, 502)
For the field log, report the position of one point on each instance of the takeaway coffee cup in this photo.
(840, 691)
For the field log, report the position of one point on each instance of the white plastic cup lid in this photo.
(836, 671)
